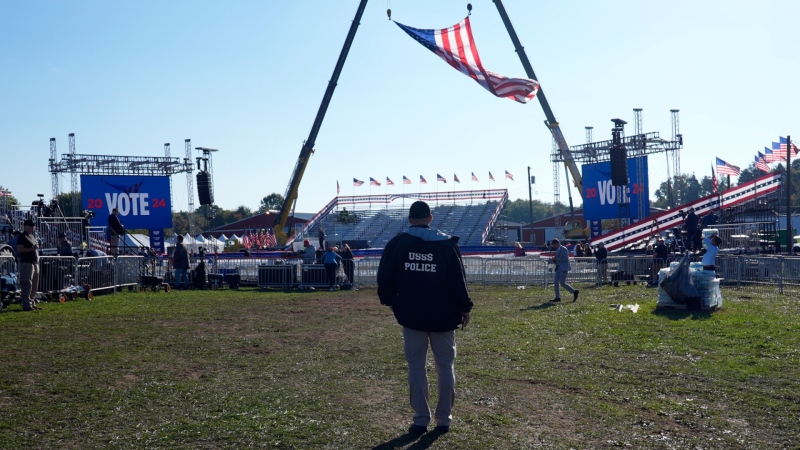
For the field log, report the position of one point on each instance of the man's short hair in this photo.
(555, 241)
(114, 210)
(179, 238)
(28, 223)
(419, 210)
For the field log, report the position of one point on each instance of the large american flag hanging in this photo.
(456, 46)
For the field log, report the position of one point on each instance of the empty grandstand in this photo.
(372, 220)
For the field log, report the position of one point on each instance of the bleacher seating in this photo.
(379, 225)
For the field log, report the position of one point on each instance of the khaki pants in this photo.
(114, 244)
(443, 345)
(29, 282)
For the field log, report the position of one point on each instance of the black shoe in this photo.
(575, 296)
(442, 429)
(555, 300)
(417, 429)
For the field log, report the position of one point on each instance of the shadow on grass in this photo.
(681, 314)
(542, 306)
(425, 441)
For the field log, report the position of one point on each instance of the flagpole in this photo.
(789, 231)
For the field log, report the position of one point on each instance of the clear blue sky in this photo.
(247, 77)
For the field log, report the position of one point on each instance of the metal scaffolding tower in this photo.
(554, 153)
(75, 188)
(676, 155)
(637, 120)
(54, 184)
(189, 184)
(167, 155)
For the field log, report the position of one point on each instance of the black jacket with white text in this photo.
(424, 282)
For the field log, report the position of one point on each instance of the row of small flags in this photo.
(777, 153)
(422, 180)
(259, 238)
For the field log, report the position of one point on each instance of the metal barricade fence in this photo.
(8, 265)
(97, 271)
(282, 276)
(366, 271)
(313, 275)
(128, 270)
(56, 273)
(510, 271)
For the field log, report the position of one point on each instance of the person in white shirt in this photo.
(709, 259)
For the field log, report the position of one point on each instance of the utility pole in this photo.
(530, 198)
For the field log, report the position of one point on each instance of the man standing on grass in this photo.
(421, 278)
(180, 261)
(561, 260)
(28, 251)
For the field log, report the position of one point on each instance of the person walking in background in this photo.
(332, 261)
(28, 251)
(602, 264)
(116, 230)
(348, 263)
(561, 260)
(421, 278)
(180, 261)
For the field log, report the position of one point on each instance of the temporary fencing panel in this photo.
(313, 275)
(8, 265)
(128, 270)
(282, 276)
(56, 273)
(97, 271)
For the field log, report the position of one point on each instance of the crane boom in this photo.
(308, 145)
(551, 122)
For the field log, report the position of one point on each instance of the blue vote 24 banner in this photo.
(601, 200)
(143, 201)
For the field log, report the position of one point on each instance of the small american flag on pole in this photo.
(780, 153)
(389, 182)
(714, 183)
(271, 241)
(455, 178)
(785, 146)
(337, 187)
(474, 178)
(761, 164)
(374, 182)
(509, 176)
(406, 180)
(769, 156)
(440, 178)
(724, 168)
(491, 177)
(357, 182)
(422, 180)
(456, 46)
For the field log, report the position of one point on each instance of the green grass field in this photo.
(268, 369)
